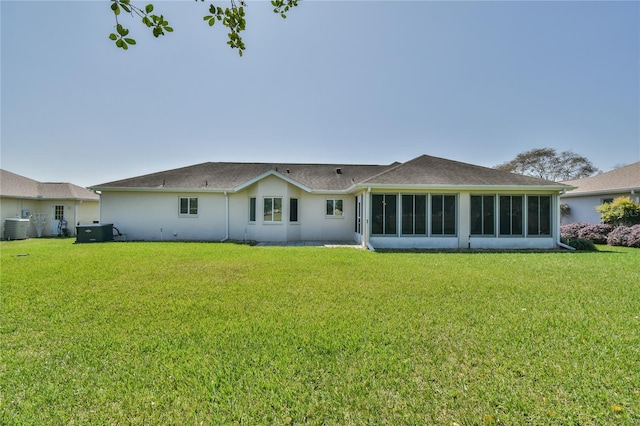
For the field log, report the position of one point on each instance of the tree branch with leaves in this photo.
(547, 163)
(232, 17)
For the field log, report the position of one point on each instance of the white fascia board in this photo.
(142, 189)
(457, 188)
(601, 192)
(267, 174)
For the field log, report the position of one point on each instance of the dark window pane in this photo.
(545, 215)
(533, 204)
(408, 214)
(329, 207)
(184, 205)
(505, 215)
(516, 208)
(421, 214)
(268, 209)
(252, 209)
(293, 210)
(489, 214)
(436, 214)
(338, 208)
(449, 215)
(390, 214)
(193, 206)
(377, 211)
(476, 214)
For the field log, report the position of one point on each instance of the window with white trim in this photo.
(272, 209)
(188, 206)
(252, 209)
(293, 210)
(334, 207)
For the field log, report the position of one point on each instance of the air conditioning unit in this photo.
(16, 228)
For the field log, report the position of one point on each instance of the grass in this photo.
(196, 333)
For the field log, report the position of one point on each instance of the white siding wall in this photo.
(155, 216)
(312, 222)
(583, 209)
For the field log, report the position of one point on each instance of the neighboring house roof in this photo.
(421, 171)
(623, 179)
(16, 186)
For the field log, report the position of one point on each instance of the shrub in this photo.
(596, 233)
(634, 237)
(619, 236)
(579, 244)
(571, 230)
(622, 211)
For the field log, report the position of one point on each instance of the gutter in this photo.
(563, 245)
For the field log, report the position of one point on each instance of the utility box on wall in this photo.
(94, 233)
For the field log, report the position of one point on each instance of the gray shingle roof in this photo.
(427, 170)
(227, 176)
(618, 180)
(424, 170)
(16, 186)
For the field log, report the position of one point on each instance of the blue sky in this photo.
(336, 82)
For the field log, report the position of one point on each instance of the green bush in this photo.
(621, 211)
(580, 244)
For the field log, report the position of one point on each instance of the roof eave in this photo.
(635, 190)
(448, 187)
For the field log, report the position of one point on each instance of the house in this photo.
(593, 191)
(427, 202)
(46, 204)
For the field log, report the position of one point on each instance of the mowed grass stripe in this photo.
(191, 333)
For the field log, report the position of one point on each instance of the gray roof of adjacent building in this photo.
(16, 186)
(623, 179)
(421, 171)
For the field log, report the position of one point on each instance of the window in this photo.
(414, 214)
(383, 213)
(188, 206)
(334, 207)
(443, 215)
(273, 209)
(511, 215)
(58, 213)
(483, 221)
(538, 215)
(293, 210)
(252, 209)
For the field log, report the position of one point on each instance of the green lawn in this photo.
(192, 333)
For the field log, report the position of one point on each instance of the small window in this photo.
(188, 206)
(58, 213)
(293, 210)
(252, 209)
(334, 208)
(273, 209)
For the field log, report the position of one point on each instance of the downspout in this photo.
(365, 235)
(226, 218)
(558, 242)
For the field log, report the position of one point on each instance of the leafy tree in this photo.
(546, 163)
(621, 211)
(232, 17)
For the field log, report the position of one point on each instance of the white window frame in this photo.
(334, 208)
(264, 200)
(189, 208)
